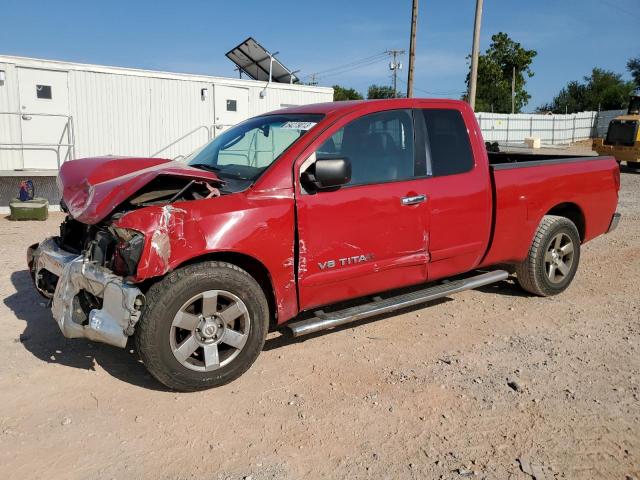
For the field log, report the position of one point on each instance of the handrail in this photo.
(65, 129)
(220, 126)
(54, 147)
(11, 146)
(185, 136)
(37, 114)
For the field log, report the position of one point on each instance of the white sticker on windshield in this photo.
(299, 125)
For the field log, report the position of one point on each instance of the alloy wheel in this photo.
(559, 258)
(210, 330)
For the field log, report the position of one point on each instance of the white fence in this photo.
(551, 129)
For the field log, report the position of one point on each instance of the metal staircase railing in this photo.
(67, 131)
(188, 134)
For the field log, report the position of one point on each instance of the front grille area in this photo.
(622, 132)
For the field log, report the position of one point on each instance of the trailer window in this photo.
(447, 142)
(43, 92)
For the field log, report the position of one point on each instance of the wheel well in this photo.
(254, 268)
(573, 213)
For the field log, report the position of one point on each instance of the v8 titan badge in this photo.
(343, 262)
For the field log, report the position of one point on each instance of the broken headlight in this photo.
(128, 251)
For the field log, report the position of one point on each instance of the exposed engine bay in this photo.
(86, 270)
(119, 249)
(165, 189)
(116, 249)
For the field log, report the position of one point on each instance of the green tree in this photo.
(495, 72)
(343, 93)
(602, 90)
(380, 91)
(633, 65)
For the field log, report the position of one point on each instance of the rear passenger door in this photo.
(458, 187)
(369, 235)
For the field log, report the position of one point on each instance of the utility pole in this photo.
(313, 79)
(475, 51)
(394, 66)
(513, 90)
(412, 47)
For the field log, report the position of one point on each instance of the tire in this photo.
(553, 257)
(635, 165)
(202, 326)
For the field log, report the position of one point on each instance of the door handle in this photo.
(26, 117)
(414, 199)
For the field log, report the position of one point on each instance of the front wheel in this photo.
(202, 326)
(553, 257)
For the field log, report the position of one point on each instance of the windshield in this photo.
(245, 151)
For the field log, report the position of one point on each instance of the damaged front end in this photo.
(90, 271)
(88, 299)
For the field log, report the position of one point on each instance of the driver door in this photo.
(368, 235)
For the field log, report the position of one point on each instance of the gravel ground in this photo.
(487, 384)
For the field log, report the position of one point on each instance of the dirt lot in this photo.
(423, 394)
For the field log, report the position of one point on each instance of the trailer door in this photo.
(231, 106)
(44, 121)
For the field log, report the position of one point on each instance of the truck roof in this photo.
(328, 108)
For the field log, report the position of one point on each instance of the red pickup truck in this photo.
(282, 218)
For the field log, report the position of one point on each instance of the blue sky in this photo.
(571, 36)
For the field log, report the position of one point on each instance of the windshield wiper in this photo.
(205, 166)
(221, 173)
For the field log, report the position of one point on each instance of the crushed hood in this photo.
(93, 187)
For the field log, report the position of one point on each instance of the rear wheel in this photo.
(203, 326)
(553, 258)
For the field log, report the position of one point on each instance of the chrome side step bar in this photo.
(323, 321)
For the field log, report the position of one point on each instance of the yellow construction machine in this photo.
(623, 136)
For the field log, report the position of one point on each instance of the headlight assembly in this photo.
(128, 250)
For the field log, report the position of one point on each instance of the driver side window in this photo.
(379, 147)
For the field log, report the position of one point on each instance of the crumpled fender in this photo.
(164, 230)
(258, 225)
(93, 187)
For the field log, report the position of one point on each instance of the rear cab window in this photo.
(447, 146)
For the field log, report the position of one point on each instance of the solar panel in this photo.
(254, 60)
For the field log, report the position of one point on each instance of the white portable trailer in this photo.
(52, 111)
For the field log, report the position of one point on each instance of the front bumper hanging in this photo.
(64, 277)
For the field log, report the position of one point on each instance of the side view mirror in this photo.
(327, 173)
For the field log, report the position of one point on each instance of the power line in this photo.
(442, 94)
(347, 67)
(361, 60)
(622, 9)
(355, 67)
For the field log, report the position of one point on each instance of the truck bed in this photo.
(527, 187)
(517, 159)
